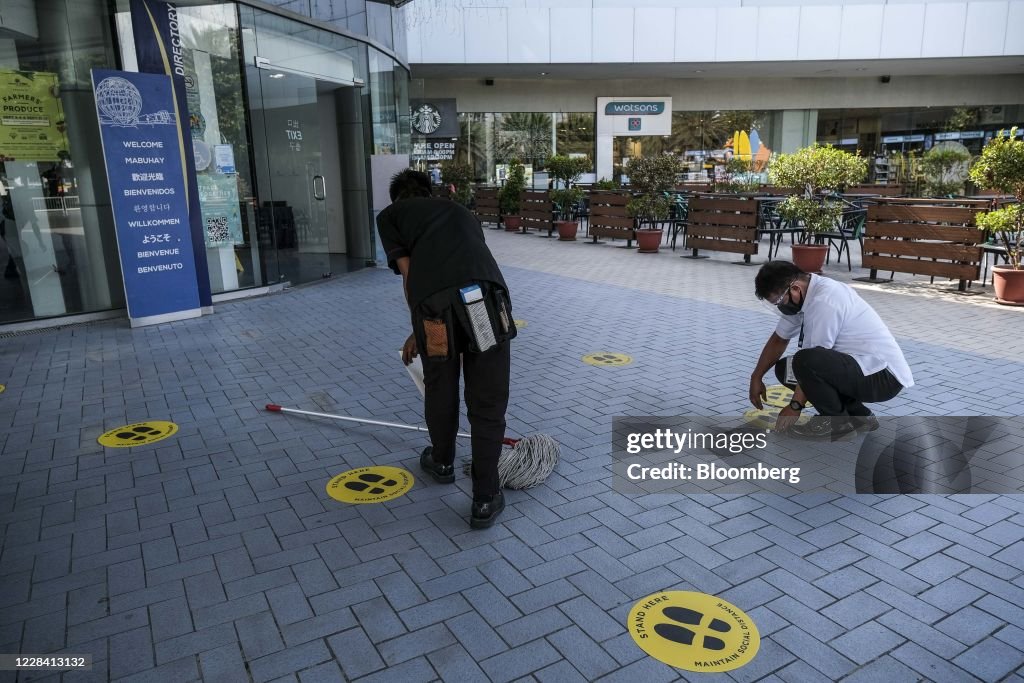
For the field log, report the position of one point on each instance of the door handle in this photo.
(322, 194)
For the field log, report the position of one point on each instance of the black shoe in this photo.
(867, 423)
(442, 474)
(820, 428)
(485, 511)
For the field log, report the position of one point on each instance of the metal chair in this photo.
(851, 227)
(770, 222)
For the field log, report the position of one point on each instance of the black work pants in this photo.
(487, 380)
(835, 385)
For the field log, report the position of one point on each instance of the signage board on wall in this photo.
(434, 118)
(433, 150)
(635, 116)
(629, 117)
(32, 124)
(140, 136)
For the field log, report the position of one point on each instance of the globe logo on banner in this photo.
(120, 104)
(119, 101)
(426, 119)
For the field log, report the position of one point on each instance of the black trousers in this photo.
(487, 380)
(835, 385)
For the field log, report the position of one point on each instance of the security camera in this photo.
(884, 79)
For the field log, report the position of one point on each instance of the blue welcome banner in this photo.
(140, 135)
(159, 50)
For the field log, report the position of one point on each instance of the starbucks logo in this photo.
(426, 119)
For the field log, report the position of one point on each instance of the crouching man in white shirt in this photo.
(846, 357)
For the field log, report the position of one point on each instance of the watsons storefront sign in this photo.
(628, 116)
(634, 108)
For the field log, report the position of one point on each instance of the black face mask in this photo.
(790, 308)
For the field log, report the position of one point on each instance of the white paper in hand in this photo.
(416, 372)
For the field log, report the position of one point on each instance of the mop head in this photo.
(527, 464)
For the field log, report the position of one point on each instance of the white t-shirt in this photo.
(835, 317)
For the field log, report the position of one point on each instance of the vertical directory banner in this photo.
(160, 50)
(141, 145)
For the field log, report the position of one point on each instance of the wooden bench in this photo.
(880, 190)
(932, 237)
(487, 208)
(609, 217)
(723, 224)
(536, 210)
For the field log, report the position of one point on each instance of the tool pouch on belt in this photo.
(492, 300)
(434, 318)
(432, 322)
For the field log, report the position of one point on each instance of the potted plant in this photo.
(510, 194)
(1001, 167)
(739, 177)
(605, 184)
(566, 171)
(653, 178)
(945, 168)
(818, 171)
(461, 176)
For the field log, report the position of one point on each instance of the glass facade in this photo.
(299, 129)
(893, 139)
(57, 242)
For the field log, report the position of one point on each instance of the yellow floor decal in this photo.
(519, 323)
(693, 631)
(607, 359)
(778, 397)
(370, 484)
(138, 434)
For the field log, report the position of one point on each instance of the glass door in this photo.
(293, 195)
(305, 115)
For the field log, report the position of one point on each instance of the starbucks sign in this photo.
(434, 118)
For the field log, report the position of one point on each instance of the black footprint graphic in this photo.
(362, 486)
(140, 433)
(684, 635)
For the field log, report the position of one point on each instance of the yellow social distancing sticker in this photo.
(138, 434)
(694, 631)
(376, 484)
(607, 359)
(777, 397)
(519, 323)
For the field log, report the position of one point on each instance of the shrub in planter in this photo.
(945, 168)
(510, 194)
(461, 176)
(605, 184)
(653, 178)
(566, 172)
(1001, 167)
(818, 171)
(739, 177)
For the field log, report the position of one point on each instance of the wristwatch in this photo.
(796, 405)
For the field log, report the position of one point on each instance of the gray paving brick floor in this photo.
(217, 555)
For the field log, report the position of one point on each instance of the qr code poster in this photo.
(218, 199)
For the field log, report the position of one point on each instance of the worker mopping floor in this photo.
(526, 464)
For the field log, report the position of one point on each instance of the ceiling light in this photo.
(698, 71)
(543, 73)
(277, 75)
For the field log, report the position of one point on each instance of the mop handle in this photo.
(274, 408)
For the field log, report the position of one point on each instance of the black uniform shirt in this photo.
(444, 243)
